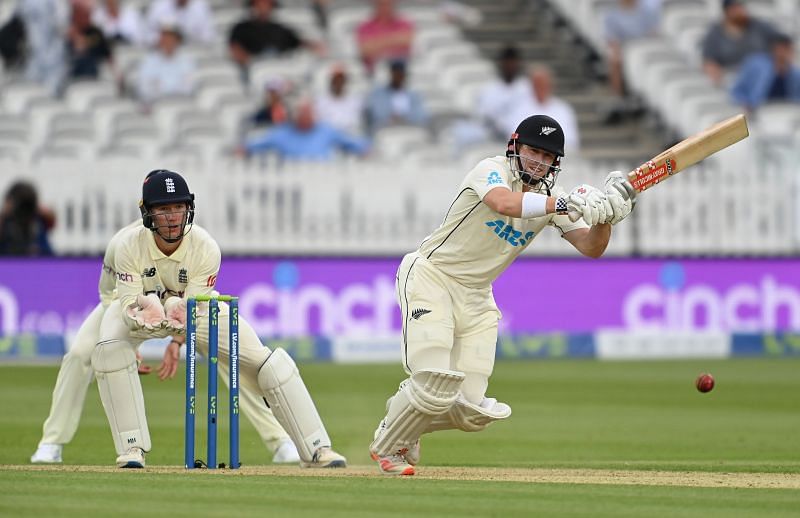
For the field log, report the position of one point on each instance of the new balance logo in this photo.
(415, 314)
(149, 272)
(546, 130)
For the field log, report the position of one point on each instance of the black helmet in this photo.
(162, 187)
(541, 132)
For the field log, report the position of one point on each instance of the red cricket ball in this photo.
(704, 382)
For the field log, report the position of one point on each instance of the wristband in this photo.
(561, 205)
(534, 205)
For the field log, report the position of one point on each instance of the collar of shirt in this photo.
(156, 254)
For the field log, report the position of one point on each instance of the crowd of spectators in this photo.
(743, 54)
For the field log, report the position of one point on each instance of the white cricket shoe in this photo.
(133, 458)
(325, 457)
(286, 453)
(411, 454)
(47, 454)
(394, 464)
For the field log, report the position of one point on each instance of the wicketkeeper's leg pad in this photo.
(291, 404)
(470, 417)
(425, 395)
(114, 363)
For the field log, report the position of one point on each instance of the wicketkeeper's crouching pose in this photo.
(445, 287)
(76, 374)
(158, 266)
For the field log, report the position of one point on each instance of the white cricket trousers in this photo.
(446, 325)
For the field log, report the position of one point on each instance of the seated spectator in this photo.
(46, 23)
(338, 108)
(395, 103)
(498, 98)
(765, 77)
(87, 46)
(385, 36)
(545, 103)
(166, 70)
(12, 42)
(261, 36)
(628, 20)
(304, 138)
(23, 223)
(729, 41)
(193, 18)
(121, 24)
(274, 110)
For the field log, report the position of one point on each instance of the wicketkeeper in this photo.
(158, 265)
(75, 376)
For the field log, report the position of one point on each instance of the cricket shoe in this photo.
(325, 457)
(286, 453)
(395, 464)
(47, 454)
(412, 453)
(133, 458)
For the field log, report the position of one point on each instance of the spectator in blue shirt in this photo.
(304, 138)
(769, 76)
(394, 103)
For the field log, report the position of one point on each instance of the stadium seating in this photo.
(387, 203)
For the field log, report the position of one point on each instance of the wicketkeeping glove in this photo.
(148, 312)
(175, 311)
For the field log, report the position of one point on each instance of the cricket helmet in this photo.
(540, 132)
(164, 187)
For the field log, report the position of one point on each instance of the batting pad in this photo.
(114, 363)
(291, 404)
(426, 394)
(470, 417)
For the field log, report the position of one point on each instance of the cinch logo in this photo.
(508, 233)
(756, 306)
(291, 308)
(494, 179)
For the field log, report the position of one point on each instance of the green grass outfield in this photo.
(586, 438)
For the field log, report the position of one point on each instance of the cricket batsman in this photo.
(75, 376)
(444, 288)
(158, 265)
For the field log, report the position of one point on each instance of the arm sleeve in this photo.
(129, 280)
(486, 176)
(262, 143)
(351, 143)
(204, 281)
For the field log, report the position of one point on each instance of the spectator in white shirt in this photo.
(119, 23)
(337, 107)
(166, 70)
(193, 18)
(497, 99)
(543, 102)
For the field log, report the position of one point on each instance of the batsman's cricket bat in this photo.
(688, 152)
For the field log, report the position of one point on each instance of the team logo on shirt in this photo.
(149, 272)
(415, 314)
(510, 234)
(183, 276)
(494, 179)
